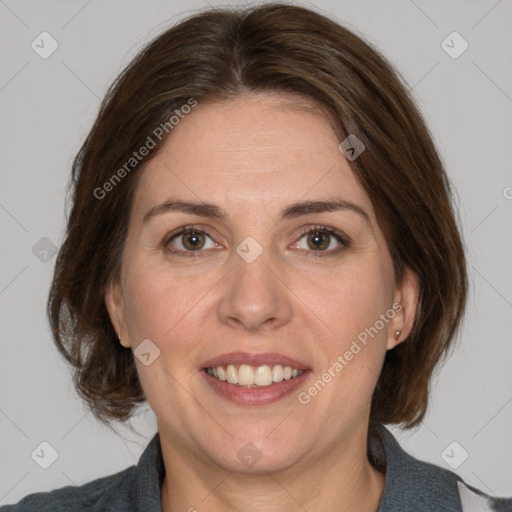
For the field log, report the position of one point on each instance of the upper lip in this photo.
(259, 359)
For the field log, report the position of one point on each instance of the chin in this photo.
(250, 459)
(257, 453)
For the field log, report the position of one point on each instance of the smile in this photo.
(253, 376)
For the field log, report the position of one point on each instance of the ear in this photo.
(115, 307)
(405, 305)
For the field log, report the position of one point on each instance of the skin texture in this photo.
(253, 156)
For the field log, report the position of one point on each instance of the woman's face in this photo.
(251, 293)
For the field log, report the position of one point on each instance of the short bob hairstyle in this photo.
(213, 56)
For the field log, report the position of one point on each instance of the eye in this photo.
(322, 241)
(318, 241)
(189, 239)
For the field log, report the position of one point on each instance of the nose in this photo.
(255, 296)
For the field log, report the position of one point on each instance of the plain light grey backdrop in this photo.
(47, 107)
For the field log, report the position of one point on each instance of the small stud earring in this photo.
(397, 335)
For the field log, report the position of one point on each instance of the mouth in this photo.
(254, 379)
(253, 376)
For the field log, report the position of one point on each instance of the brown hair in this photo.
(217, 54)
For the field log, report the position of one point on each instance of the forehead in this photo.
(252, 151)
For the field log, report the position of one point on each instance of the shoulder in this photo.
(135, 488)
(443, 486)
(97, 495)
(474, 500)
(413, 484)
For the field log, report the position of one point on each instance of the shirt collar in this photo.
(150, 473)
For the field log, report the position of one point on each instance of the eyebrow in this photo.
(290, 212)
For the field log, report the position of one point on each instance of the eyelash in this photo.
(339, 237)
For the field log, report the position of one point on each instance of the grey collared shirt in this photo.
(411, 485)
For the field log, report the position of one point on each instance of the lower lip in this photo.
(257, 395)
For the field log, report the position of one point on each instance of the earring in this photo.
(397, 335)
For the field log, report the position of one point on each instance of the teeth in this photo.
(221, 374)
(245, 375)
(263, 376)
(250, 376)
(277, 373)
(231, 374)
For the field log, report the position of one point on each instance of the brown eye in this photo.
(318, 240)
(193, 240)
(189, 240)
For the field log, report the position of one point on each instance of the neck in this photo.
(341, 480)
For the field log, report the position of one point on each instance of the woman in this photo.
(262, 246)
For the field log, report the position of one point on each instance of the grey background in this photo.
(47, 107)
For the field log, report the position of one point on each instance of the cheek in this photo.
(350, 300)
(162, 306)
(359, 299)
(158, 301)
